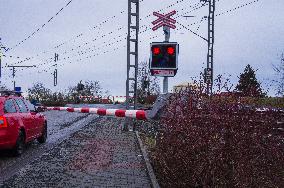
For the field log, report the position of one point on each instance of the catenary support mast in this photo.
(132, 51)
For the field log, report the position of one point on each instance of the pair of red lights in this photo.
(170, 50)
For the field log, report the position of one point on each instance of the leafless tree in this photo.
(91, 88)
(39, 92)
(3, 87)
(279, 70)
(146, 84)
(223, 84)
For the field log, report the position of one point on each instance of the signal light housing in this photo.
(164, 56)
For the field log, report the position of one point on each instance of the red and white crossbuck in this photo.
(164, 20)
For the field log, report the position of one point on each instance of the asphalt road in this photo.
(82, 150)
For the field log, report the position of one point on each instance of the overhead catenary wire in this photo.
(202, 19)
(90, 49)
(238, 7)
(191, 31)
(93, 55)
(104, 42)
(80, 53)
(199, 22)
(40, 28)
(193, 23)
(98, 26)
(98, 54)
(179, 1)
(219, 14)
(96, 38)
(81, 34)
(61, 44)
(84, 52)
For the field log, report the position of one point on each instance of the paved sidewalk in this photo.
(100, 155)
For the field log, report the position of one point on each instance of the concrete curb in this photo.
(150, 170)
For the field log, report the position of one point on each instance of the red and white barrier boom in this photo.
(137, 114)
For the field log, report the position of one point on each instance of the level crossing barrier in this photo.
(136, 114)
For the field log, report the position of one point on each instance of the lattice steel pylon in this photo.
(132, 50)
(55, 71)
(210, 41)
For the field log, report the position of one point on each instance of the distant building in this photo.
(184, 86)
(230, 94)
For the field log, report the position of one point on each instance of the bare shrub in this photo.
(222, 142)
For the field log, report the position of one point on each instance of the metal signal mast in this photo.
(132, 51)
(14, 71)
(55, 71)
(210, 40)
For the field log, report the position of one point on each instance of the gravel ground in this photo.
(100, 155)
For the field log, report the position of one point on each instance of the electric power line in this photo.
(36, 31)
(147, 28)
(234, 9)
(98, 26)
(238, 7)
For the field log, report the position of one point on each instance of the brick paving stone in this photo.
(99, 155)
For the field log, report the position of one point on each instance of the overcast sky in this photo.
(249, 35)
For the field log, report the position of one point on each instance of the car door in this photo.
(12, 116)
(26, 118)
(37, 118)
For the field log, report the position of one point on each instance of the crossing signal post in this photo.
(163, 59)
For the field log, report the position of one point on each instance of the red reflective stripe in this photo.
(85, 110)
(140, 114)
(70, 109)
(120, 113)
(101, 112)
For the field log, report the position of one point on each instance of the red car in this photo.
(20, 122)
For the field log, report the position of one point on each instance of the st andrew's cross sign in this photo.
(164, 20)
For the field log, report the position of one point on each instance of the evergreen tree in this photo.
(248, 84)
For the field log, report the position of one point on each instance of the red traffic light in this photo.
(156, 50)
(171, 50)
